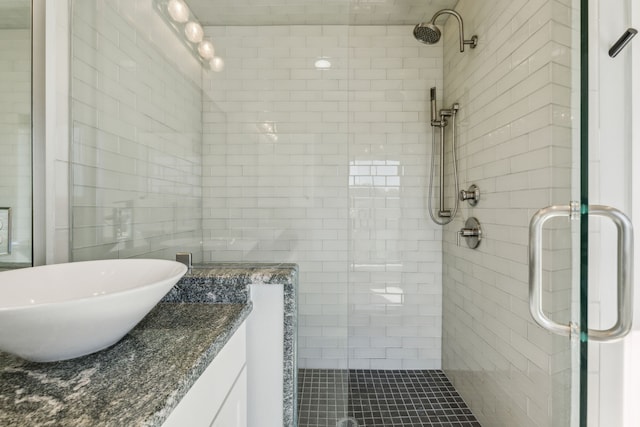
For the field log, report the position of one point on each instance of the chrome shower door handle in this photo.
(535, 267)
(625, 274)
(625, 271)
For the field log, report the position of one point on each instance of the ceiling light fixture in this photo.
(206, 50)
(322, 63)
(178, 11)
(216, 64)
(185, 25)
(193, 31)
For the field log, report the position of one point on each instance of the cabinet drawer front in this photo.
(205, 398)
(234, 410)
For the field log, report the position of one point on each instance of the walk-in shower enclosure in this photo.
(311, 143)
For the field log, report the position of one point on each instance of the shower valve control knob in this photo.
(472, 195)
(472, 232)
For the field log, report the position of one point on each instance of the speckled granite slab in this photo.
(229, 283)
(137, 382)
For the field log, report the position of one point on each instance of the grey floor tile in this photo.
(379, 398)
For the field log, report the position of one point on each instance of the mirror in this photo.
(15, 134)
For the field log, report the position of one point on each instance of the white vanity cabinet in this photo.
(219, 397)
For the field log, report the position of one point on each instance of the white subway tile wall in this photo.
(136, 111)
(15, 140)
(515, 92)
(327, 168)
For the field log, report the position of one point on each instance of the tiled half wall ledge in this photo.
(230, 283)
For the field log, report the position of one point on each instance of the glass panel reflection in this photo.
(15, 134)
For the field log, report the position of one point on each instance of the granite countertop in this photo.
(136, 382)
(227, 282)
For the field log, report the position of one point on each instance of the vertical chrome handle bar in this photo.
(625, 271)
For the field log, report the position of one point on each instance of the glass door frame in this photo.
(42, 162)
(584, 214)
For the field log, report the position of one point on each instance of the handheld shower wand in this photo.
(434, 107)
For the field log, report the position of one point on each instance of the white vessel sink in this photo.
(62, 311)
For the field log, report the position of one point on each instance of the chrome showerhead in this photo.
(427, 33)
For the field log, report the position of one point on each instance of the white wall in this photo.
(328, 169)
(15, 138)
(136, 105)
(515, 92)
(632, 349)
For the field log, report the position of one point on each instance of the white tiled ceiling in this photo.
(15, 14)
(316, 12)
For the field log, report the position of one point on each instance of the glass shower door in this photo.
(580, 289)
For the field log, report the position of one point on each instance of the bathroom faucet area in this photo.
(247, 213)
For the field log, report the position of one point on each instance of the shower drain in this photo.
(347, 422)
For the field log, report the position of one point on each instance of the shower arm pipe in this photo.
(473, 42)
